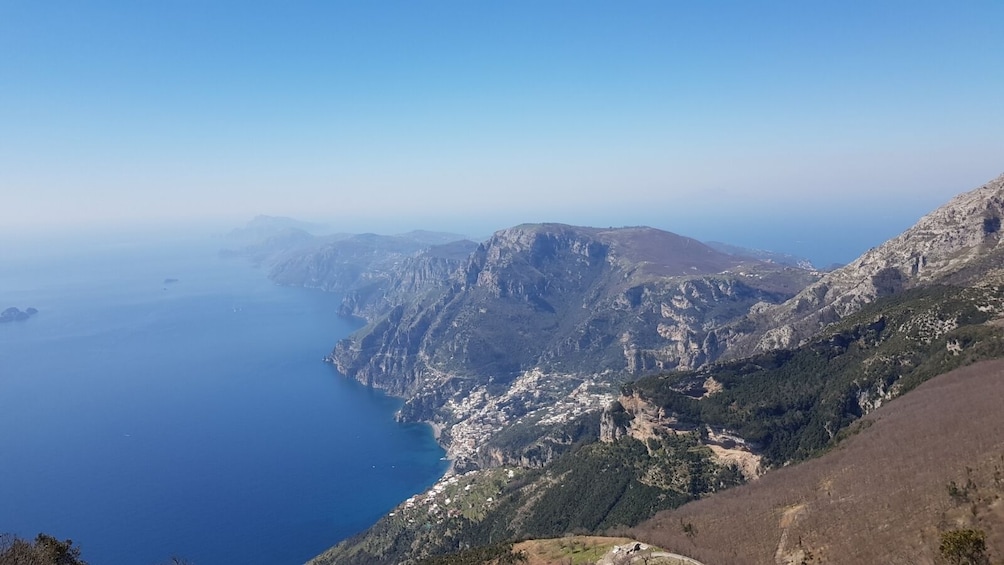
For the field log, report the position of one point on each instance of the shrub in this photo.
(964, 547)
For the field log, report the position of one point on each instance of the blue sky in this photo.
(475, 115)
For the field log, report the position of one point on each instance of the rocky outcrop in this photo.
(615, 422)
(13, 314)
(951, 244)
(634, 416)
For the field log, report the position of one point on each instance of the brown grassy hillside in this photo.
(928, 462)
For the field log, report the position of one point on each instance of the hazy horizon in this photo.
(824, 240)
(450, 115)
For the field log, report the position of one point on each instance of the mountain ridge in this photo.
(940, 244)
(558, 304)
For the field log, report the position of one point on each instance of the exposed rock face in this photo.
(636, 417)
(944, 245)
(614, 423)
(564, 298)
(633, 416)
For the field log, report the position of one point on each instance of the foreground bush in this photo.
(45, 550)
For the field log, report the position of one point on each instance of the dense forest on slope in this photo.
(498, 554)
(596, 486)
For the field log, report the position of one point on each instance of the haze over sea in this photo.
(147, 419)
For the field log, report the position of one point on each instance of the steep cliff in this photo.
(956, 244)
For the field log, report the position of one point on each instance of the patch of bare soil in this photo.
(572, 549)
(582, 550)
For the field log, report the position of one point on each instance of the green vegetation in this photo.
(974, 499)
(576, 551)
(593, 487)
(601, 486)
(537, 444)
(794, 403)
(47, 550)
(964, 547)
(498, 554)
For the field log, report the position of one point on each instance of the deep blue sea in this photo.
(146, 420)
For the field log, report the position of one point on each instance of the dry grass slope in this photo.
(928, 462)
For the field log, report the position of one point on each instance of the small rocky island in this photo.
(13, 314)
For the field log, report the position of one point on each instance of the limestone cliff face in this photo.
(943, 246)
(633, 416)
(687, 317)
(565, 299)
(527, 263)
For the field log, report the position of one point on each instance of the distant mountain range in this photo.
(264, 227)
(762, 255)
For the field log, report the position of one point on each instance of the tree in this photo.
(964, 547)
(45, 550)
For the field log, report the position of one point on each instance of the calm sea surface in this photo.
(146, 420)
